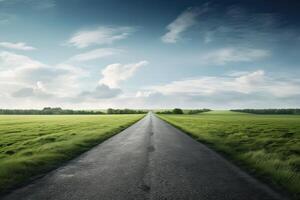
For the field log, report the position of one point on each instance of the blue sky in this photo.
(149, 54)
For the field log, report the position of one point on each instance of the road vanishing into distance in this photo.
(149, 160)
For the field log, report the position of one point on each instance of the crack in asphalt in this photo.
(146, 185)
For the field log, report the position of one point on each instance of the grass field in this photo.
(32, 145)
(268, 145)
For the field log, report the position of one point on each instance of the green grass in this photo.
(268, 145)
(32, 145)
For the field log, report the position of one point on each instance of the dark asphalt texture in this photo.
(149, 160)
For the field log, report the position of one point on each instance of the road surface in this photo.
(149, 160)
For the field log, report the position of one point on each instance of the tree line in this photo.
(60, 111)
(48, 111)
(180, 111)
(196, 111)
(174, 111)
(125, 111)
(291, 111)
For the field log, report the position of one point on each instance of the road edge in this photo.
(65, 162)
(237, 163)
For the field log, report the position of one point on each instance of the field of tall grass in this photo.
(267, 145)
(32, 145)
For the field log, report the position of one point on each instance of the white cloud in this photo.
(25, 82)
(115, 73)
(37, 90)
(94, 54)
(237, 73)
(144, 93)
(102, 91)
(184, 21)
(99, 36)
(17, 46)
(9, 60)
(250, 83)
(226, 55)
(20, 76)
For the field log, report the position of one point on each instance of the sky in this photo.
(88, 54)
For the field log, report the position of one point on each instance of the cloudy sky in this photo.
(86, 54)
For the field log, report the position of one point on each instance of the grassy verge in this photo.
(32, 145)
(269, 145)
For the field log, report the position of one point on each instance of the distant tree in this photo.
(164, 112)
(196, 111)
(177, 111)
(110, 111)
(290, 111)
(125, 111)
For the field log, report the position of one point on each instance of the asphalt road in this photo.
(149, 160)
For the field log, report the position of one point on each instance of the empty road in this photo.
(149, 160)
